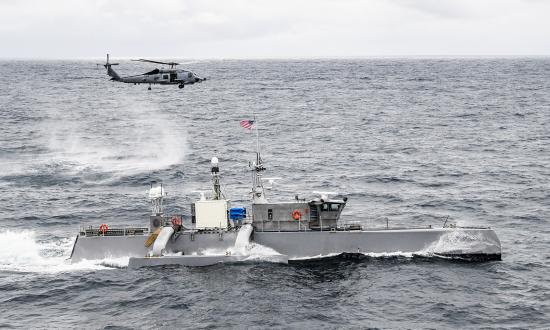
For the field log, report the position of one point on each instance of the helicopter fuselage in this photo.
(171, 76)
(163, 77)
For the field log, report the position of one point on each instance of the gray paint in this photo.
(102, 247)
(302, 244)
(195, 261)
(309, 244)
(314, 214)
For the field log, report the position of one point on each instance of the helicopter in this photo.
(171, 76)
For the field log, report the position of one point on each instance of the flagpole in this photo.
(257, 135)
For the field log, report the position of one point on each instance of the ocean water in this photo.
(413, 141)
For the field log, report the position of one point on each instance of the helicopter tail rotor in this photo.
(112, 73)
(107, 64)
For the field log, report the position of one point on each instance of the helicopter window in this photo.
(189, 75)
(165, 76)
(334, 207)
(325, 207)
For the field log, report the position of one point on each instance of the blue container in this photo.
(237, 213)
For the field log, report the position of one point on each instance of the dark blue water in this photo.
(411, 140)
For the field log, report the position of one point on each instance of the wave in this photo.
(253, 252)
(22, 252)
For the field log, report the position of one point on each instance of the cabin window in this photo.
(189, 75)
(269, 214)
(331, 207)
(165, 76)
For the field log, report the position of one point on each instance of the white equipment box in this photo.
(211, 214)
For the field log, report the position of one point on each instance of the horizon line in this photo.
(320, 57)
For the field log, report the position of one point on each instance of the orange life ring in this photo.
(296, 215)
(176, 221)
(103, 228)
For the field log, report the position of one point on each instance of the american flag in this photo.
(247, 123)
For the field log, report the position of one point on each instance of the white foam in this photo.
(368, 254)
(318, 256)
(455, 241)
(390, 254)
(22, 252)
(242, 241)
(252, 250)
(258, 252)
(243, 247)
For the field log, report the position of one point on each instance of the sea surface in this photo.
(409, 141)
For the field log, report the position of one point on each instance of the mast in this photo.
(258, 193)
(216, 179)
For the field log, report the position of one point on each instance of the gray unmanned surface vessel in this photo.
(273, 232)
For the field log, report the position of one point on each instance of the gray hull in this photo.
(195, 261)
(107, 247)
(448, 242)
(460, 242)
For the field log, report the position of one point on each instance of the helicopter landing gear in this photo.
(181, 86)
(149, 88)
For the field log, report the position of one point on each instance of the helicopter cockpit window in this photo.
(334, 207)
(152, 72)
(164, 76)
(189, 75)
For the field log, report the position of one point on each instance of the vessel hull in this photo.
(107, 247)
(195, 261)
(479, 243)
(471, 243)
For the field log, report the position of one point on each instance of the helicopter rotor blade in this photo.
(157, 62)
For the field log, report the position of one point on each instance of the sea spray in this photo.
(151, 141)
(23, 252)
(244, 247)
(456, 241)
(243, 239)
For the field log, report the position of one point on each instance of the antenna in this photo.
(258, 193)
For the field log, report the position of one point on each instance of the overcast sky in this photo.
(272, 29)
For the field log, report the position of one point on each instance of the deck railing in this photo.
(125, 231)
